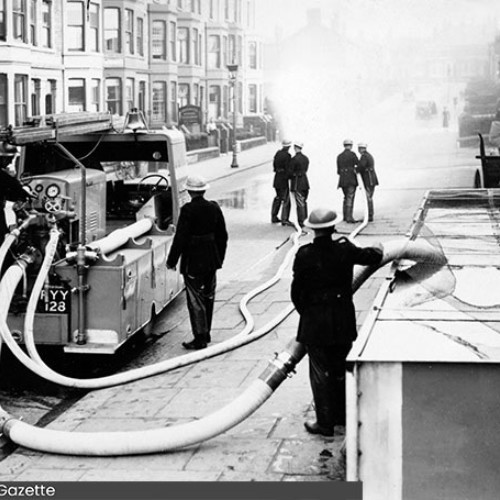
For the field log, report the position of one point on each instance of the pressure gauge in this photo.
(39, 188)
(52, 191)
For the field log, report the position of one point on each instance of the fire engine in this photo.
(115, 196)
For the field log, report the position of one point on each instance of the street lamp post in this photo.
(233, 72)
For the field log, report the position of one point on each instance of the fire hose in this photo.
(181, 436)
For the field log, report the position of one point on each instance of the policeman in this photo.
(281, 183)
(321, 291)
(200, 241)
(366, 169)
(346, 169)
(299, 165)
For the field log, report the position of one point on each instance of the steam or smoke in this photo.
(341, 69)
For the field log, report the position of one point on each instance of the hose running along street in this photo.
(181, 436)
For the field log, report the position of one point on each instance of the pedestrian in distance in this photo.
(347, 162)
(446, 117)
(321, 292)
(200, 242)
(299, 166)
(366, 168)
(281, 184)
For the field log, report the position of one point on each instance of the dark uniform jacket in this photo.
(200, 239)
(366, 168)
(322, 289)
(281, 166)
(346, 169)
(12, 190)
(299, 165)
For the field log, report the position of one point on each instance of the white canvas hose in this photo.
(181, 436)
(36, 364)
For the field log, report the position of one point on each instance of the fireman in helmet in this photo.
(347, 161)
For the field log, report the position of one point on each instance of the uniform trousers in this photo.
(370, 190)
(327, 376)
(349, 193)
(282, 197)
(200, 292)
(301, 202)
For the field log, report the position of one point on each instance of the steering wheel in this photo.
(157, 185)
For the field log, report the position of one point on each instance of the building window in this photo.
(95, 95)
(19, 19)
(35, 96)
(252, 55)
(114, 95)
(193, 6)
(140, 36)
(183, 45)
(76, 94)
(50, 97)
(112, 29)
(75, 28)
(129, 31)
(213, 51)
(3, 23)
(94, 28)
(3, 101)
(33, 23)
(226, 10)
(252, 98)
(196, 47)
(212, 9)
(141, 96)
(47, 23)
(232, 49)
(20, 98)
(179, 4)
(159, 99)
(214, 101)
(158, 40)
(173, 100)
(196, 94)
(183, 94)
(225, 51)
(173, 41)
(129, 93)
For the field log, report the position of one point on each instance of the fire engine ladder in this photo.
(51, 127)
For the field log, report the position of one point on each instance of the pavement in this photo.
(270, 445)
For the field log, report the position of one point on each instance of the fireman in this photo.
(366, 168)
(200, 241)
(347, 162)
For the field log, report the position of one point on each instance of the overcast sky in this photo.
(380, 18)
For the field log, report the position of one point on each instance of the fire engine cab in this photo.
(114, 196)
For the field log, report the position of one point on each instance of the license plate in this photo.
(54, 300)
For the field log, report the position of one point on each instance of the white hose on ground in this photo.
(44, 371)
(181, 436)
(36, 364)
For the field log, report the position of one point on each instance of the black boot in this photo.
(194, 345)
(315, 428)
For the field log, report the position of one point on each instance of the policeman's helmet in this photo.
(322, 218)
(196, 183)
(286, 143)
(348, 142)
(298, 144)
(362, 145)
